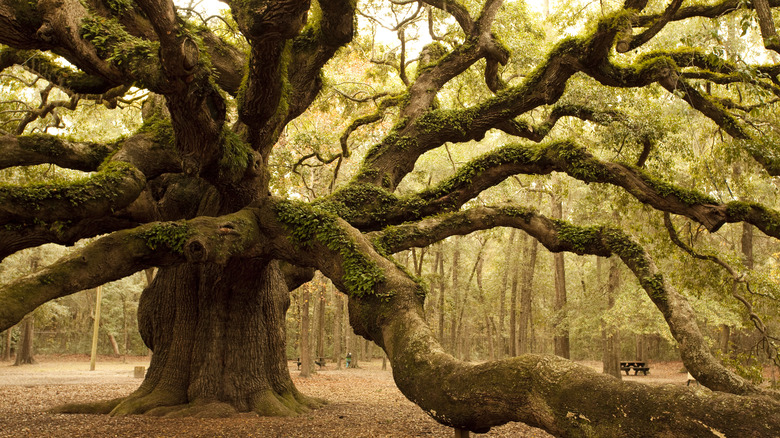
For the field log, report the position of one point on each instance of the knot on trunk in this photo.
(195, 250)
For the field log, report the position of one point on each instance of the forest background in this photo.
(495, 293)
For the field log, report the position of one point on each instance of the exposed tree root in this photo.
(166, 404)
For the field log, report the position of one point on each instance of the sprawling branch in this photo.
(48, 149)
(111, 189)
(360, 204)
(387, 309)
(422, 129)
(201, 240)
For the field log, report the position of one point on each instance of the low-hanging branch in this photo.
(360, 205)
(558, 236)
(112, 188)
(391, 314)
(423, 128)
(50, 149)
(770, 347)
(122, 253)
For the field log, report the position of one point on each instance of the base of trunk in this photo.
(218, 337)
(161, 404)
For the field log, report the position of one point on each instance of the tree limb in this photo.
(122, 253)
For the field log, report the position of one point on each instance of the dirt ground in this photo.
(362, 403)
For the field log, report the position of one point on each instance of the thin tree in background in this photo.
(24, 350)
(610, 333)
(560, 320)
(306, 360)
(525, 339)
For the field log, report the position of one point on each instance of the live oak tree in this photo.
(189, 193)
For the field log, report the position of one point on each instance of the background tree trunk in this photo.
(24, 351)
(560, 321)
(306, 360)
(513, 350)
(319, 294)
(609, 331)
(114, 345)
(338, 321)
(7, 344)
(529, 259)
(442, 287)
(508, 260)
(456, 306)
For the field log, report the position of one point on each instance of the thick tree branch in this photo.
(49, 149)
(122, 253)
(422, 128)
(709, 11)
(388, 309)
(114, 187)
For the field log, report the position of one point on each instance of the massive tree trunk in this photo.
(218, 337)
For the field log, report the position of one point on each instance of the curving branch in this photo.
(540, 131)
(770, 347)
(122, 253)
(638, 40)
(708, 11)
(423, 128)
(114, 187)
(48, 149)
(390, 313)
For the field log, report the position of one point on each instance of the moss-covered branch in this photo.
(109, 258)
(48, 149)
(554, 394)
(423, 128)
(112, 188)
(201, 240)
(368, 207)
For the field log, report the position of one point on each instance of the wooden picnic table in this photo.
(636, 365)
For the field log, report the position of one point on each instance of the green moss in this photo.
(119, 7)
(44, 144)
(664, 189)
(358, 201)
(578, 162)
(581, 239)
(236, 156)
(101, 185)
(161, 130)
(171, 235)
(524, 213)
(308, 224)
(455, 121)
(46, 280)
(738, 211)
(114, 43)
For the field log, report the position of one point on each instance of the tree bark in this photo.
(338, 322)
(114, 345)
(442, 287)
(306, 360)
(218, 337)
(525, 340)
(502, 342)
(320, 311)
(456, 305)
(24, 352)
(609, 330)
(513, 350)
(7, 344)
(560, 321)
